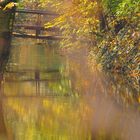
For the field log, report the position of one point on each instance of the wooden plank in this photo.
(35, 27)
(40, 12)
(38, 37)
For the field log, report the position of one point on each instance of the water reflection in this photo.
(5, 46)
(34, 67)
(45, 96)
(5, 42)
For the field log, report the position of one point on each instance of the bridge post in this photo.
(38, 23)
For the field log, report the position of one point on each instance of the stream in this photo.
(48, 95)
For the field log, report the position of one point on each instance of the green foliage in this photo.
(111, 5)
(128, 7)
(9, 6)
(117, 45)
(121, 7)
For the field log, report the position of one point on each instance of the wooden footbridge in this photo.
(34, 27)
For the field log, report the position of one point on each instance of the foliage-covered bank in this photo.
(112, 27)
(119, 48)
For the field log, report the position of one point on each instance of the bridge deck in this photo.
(37, 27)
(40, 12)
(49, 37)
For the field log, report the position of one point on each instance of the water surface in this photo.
(48, 96)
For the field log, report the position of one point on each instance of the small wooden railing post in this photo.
(38, 23)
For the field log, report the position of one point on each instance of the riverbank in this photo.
(112, 27)
(108, 92)
(120, 52)
(88, 68)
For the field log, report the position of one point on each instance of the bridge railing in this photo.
(30, 23)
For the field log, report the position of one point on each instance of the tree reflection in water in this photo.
(5, 46)
(50, 97)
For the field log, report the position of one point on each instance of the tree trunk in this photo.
(101, 16)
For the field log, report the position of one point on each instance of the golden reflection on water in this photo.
(45, 96)
(48, 118)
